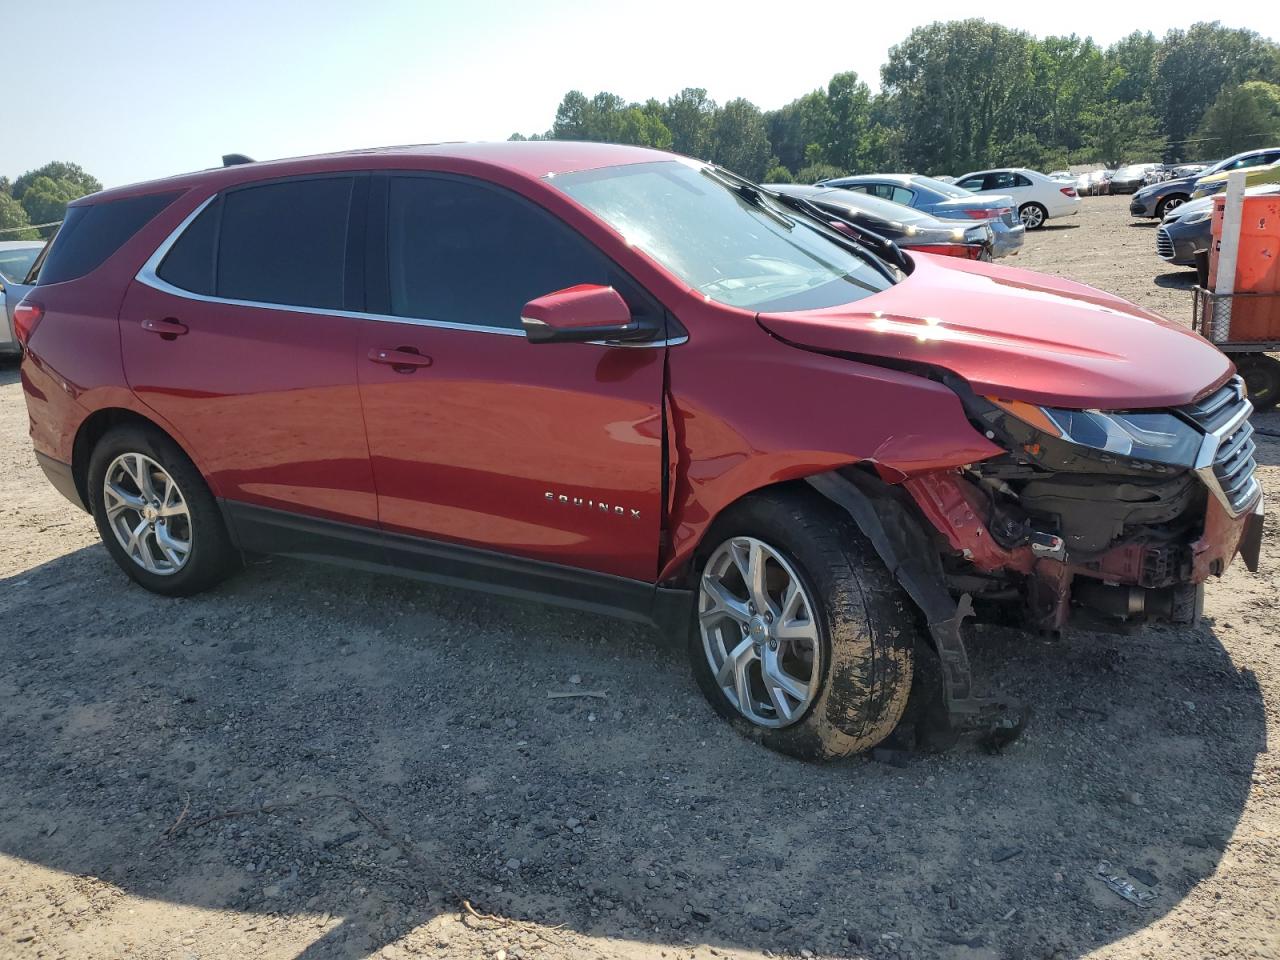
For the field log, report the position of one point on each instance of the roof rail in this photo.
(234, 159)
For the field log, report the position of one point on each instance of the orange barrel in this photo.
(1257, 267)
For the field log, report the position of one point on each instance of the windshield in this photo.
(14, 264)
(949, 190)
(720, 243)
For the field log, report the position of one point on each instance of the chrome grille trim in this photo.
(1164, 244)
(1226, 461)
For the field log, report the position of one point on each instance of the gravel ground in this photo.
(311, 762)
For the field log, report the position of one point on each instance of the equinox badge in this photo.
(592, 505)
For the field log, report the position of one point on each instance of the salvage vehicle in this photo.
(1039, 199)
(911, 229)
(632, 383)
(1187, 229)
(930, 195)
(1214, 183)
(1132, 177)
(1158, 199)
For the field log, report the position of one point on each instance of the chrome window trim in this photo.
(149, 276)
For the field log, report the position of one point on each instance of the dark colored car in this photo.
(1187, 230)
(1130, 178)
(633, 383)
(944, 200)
(909, 228)
(1159, 198)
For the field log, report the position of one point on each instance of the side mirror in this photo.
(580, 314)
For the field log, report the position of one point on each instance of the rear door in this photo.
(550, 452)
(242, 334)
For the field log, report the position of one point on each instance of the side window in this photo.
(285, 243)
(902, 195)
(1256, 161)
(1020, 181)
(973, 183)
(92, 232)
(189, 263)
(468, 253)
(1000, 181)
(857, 188)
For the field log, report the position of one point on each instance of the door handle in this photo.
(400, 359)
(168, 328)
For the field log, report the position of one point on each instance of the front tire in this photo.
(1032, 215)
(801, 638)
(155, 513)
(1171, 202)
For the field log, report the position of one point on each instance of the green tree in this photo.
(1120, 133)
(14, 222)
(689, 116)
(799, 125)
(849, 112)
(959, 92)
(1129, 66)
(58, 171)
(818, 171)
(778, 174)
(740, 141)
(45, 200)
(1191, 68)
(1242, 118)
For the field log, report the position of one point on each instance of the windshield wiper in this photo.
(749, 192)
(871, 247)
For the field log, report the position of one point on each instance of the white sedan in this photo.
(1038, 198)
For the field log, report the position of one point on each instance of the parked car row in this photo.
(1155, 201)
(612, 378)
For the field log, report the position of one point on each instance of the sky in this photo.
(133, 90)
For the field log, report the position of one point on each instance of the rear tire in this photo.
(175, 542)
(859, 674)
(1032, 215)
(1261, 379)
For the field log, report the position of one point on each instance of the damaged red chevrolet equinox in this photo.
(633, 383)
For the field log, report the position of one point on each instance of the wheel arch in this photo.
(96, 425)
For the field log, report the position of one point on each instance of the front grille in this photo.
(1164, 244)
(1230, 474)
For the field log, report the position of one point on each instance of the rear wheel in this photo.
(1033, 215)
(1261, 379)
(155, 513)
(801, 639)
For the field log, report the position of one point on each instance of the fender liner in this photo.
(906, 550)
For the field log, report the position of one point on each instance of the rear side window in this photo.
(465, 253)
(285, 243)
(92, 232)
(282, 243)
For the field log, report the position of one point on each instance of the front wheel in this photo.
(155, 513)
(801, 638)
(1033, 215)
(1169, 203)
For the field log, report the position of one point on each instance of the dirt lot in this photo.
(312, 763)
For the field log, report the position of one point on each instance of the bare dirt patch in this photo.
(633, 825)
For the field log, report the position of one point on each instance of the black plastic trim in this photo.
(62, 477)
(265, 530)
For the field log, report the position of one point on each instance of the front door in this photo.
(239, 336)
(477, 437)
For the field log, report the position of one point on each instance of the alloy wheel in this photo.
(1172, 203)
(759, 632)
(1031, 216)
(147, 513)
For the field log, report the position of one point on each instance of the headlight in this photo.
(1151, 437)
(1200, 216)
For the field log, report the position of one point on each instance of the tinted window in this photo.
(1020, 181)
(999, 181)
(189, 262)
(15, 262)
(92, 232)
(466, 253)
(285, 243)
(973, 183)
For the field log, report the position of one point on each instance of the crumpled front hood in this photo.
(1018, 335)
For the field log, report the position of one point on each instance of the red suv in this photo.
(633, 383)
